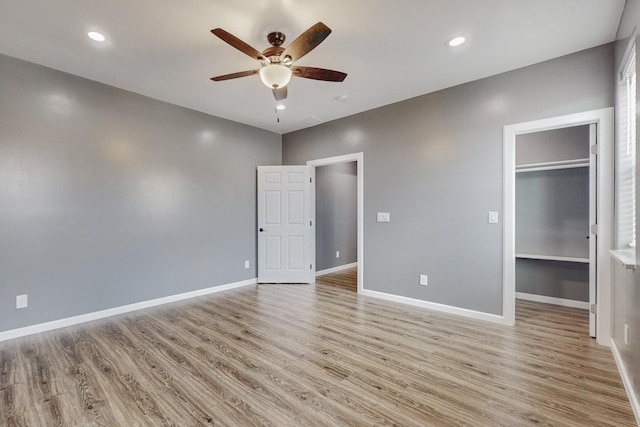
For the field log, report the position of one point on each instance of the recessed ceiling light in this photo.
(280, 107)
(94, 35)
(456, 41)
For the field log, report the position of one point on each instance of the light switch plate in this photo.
(21, 301)
(626, 334)
(493, 217)
(384, 217)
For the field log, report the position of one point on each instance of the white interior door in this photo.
(286, 231)
(593, 235)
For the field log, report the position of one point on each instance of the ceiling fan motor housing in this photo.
(273, 54)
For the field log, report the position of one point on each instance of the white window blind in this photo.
(625, 176)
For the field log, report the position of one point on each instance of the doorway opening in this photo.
(600, 124)
(556, 203)
(341, 170)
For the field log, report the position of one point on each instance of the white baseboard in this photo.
(472, 314)
(336, 269)
(553, 300)
(626, 381)
(88, 317)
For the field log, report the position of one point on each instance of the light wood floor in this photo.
(312, 355)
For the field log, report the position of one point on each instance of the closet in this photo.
(555, 205)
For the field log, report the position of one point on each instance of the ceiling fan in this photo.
(277, 62)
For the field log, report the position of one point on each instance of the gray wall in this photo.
(435, 163)
(566, 280)
(109, 198)
(552, 218)
(336, 215)
(552, 212)
(553, 145)
(626, 283)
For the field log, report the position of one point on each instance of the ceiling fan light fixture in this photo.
(275, 76)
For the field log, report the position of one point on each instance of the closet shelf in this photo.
(546, 166)
(553, 258)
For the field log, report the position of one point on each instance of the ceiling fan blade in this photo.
(234, 75)
(238, 44)
(306, 42)
(319, 74)
(280, 93)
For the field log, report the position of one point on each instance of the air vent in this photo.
(312, 120)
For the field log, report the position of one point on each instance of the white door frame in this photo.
(359, 159)
(605, 125)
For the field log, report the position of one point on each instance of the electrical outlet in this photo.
(626, 334)
(423, 280)
(246, 264)
(21, 301)
(337, 254)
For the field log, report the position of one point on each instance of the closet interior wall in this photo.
(552, 215)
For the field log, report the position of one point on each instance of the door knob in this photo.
(261, 230)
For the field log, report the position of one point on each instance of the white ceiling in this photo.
(391, 50)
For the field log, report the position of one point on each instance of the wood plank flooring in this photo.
(312, 355)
